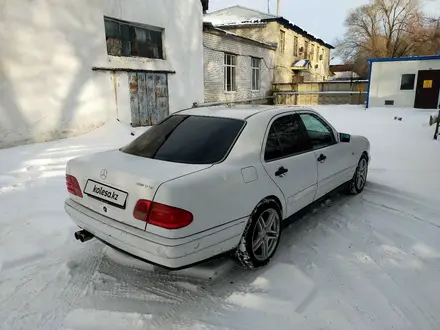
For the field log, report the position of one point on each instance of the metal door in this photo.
(148, 98)
(428, 87)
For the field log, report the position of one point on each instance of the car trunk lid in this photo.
(112, 182)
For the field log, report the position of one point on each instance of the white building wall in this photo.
(216, 45)
(386, 78)
(49, 47)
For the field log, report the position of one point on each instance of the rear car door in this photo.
(289, 160)
(332, 158)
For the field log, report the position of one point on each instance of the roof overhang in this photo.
(208, 27)
(298, 30)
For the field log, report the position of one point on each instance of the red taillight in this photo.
(161, 215)
(141, 210)
(73, 186)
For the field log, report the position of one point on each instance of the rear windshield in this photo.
(187, 139)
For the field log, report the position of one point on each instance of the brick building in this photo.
(235, 68)
(300, 56)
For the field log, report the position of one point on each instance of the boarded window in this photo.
(230, 72)
(256, 69)
(129, 39)
(407, 82)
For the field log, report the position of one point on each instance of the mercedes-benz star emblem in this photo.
(104, 174)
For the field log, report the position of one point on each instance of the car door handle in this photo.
(281, 171)
(322, 158)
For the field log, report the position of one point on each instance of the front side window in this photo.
(230, 68)
(319, 132)
(187, 139)
(256, 68)
(407, 82)
(286, 138)
(129, 39)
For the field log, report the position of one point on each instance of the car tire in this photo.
(261, 236)
(357, 183)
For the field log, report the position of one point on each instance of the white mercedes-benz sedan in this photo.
(207, 181)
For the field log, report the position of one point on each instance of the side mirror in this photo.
(344, 137)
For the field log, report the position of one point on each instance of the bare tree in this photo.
(387, 28)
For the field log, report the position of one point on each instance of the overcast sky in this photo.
(322, 18)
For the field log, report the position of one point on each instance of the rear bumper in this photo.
(166, 252)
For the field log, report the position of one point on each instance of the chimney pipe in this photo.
(278, 7)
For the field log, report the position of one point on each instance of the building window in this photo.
(129, 39)
(256, 68)
(306, 49)
(230, 72)
(407, 82)
(312, 53)
(282, 41)
(295, 46)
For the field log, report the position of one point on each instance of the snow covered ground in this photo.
(366, 262)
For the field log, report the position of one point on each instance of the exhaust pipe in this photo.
(83, 236)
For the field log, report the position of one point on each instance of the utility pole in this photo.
(268, 6)
(278, 7)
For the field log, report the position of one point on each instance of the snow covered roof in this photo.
(407, 58)
(236, 15)
(239, 16)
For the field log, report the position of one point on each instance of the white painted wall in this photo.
(386, 78)
(48, 48)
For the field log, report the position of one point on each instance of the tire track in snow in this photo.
(62, 283)
(209, 297)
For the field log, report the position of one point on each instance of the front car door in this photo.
(334, 159)
(289, 160)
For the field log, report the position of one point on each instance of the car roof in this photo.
(237, 111)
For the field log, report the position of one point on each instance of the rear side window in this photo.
(187, 139)
(286, 138)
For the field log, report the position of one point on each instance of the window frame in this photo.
(295, 46)
(325, 123)
(266, 136)
(255, 73)
(282, 41)
(126, 40)
(306, 49)
(413, 84)
(233, 70)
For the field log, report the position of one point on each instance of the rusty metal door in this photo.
(148, 98)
